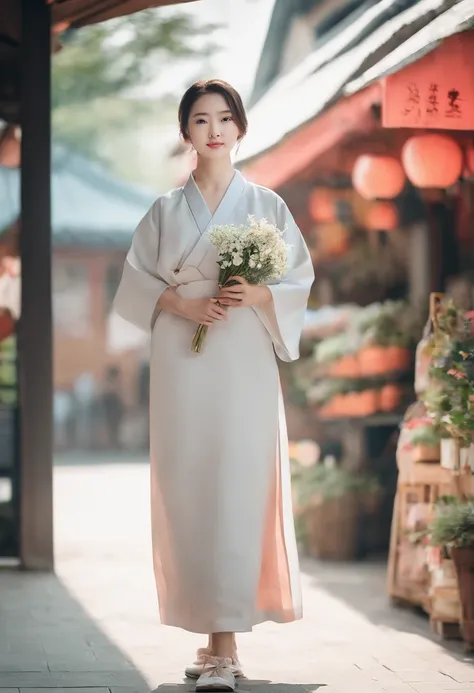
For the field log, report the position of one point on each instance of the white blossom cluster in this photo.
(256, 251)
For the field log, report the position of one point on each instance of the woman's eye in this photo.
(200, 121)
(227, 119)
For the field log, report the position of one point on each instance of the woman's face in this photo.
(212, 130)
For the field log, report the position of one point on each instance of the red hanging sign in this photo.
(435, 92)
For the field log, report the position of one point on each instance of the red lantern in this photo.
(378, 177)
(321, 205)
(383, 216)
(432, 160)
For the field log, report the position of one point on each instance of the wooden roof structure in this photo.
(64, 14)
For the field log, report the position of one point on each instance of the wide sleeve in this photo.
(141, 286)
(284, 316)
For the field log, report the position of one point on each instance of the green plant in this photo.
(453, 525)
(333, 348)
(327, 482)
(395, 324)
(425, 435)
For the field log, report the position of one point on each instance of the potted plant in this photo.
(391, 396)
(388, 339)
(453, 530)
(330, 501)
(332, 349)
(345, 367)
(367, 402)
(425, 441)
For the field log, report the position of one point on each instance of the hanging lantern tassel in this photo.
(432, 161)
(382, 218)
(378, 177)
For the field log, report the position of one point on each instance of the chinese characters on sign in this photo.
(436, 91)
(454, 107)
(433, 104)
(433, 100)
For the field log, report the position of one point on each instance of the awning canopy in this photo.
(455, 20)
(349, 116)
(65, 13)
(320, 81)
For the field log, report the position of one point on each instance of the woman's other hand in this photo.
(242, 294)
(203, 311)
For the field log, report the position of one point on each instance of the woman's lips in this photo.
(215, 145)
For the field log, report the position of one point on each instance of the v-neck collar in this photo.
(198, 206)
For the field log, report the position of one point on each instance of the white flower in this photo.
(257, 249)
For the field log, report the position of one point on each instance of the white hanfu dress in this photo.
(224, 547)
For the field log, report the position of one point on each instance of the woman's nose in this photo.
(215, 130)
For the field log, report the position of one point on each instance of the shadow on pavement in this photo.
(84, 458)
(248, 686)
(363, 587)
(49, 641)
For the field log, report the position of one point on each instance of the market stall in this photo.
(434, 509)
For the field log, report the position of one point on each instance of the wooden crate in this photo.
(444, 599)
(433, 482)
(399, 586)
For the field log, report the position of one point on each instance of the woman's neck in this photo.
(213, 174)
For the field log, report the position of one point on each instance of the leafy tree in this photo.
(98, 71)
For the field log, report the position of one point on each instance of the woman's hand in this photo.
(203, 311)
(243, 294)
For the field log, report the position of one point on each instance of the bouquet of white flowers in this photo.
(256, 252)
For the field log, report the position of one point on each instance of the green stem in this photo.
(198, 338)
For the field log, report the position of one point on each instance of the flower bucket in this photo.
(346, 367)
(351, 404)
(367, 402)
(390, 397)
(338, 406)
(464, 561)
(373, 360)
(454, 455)
(398, 358)
(326, 411)
(426, 453)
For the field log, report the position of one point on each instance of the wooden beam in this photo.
(351, 115)
(35, 327)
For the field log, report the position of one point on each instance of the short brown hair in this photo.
(212, 86)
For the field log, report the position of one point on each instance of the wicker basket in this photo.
(332, 527)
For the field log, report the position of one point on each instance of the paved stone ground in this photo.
(93, 627)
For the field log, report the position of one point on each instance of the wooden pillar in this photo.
(35, 328)
(420, 269)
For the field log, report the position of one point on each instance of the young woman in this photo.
(224, 547)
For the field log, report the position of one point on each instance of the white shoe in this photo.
(204, 661)
(217, 676)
